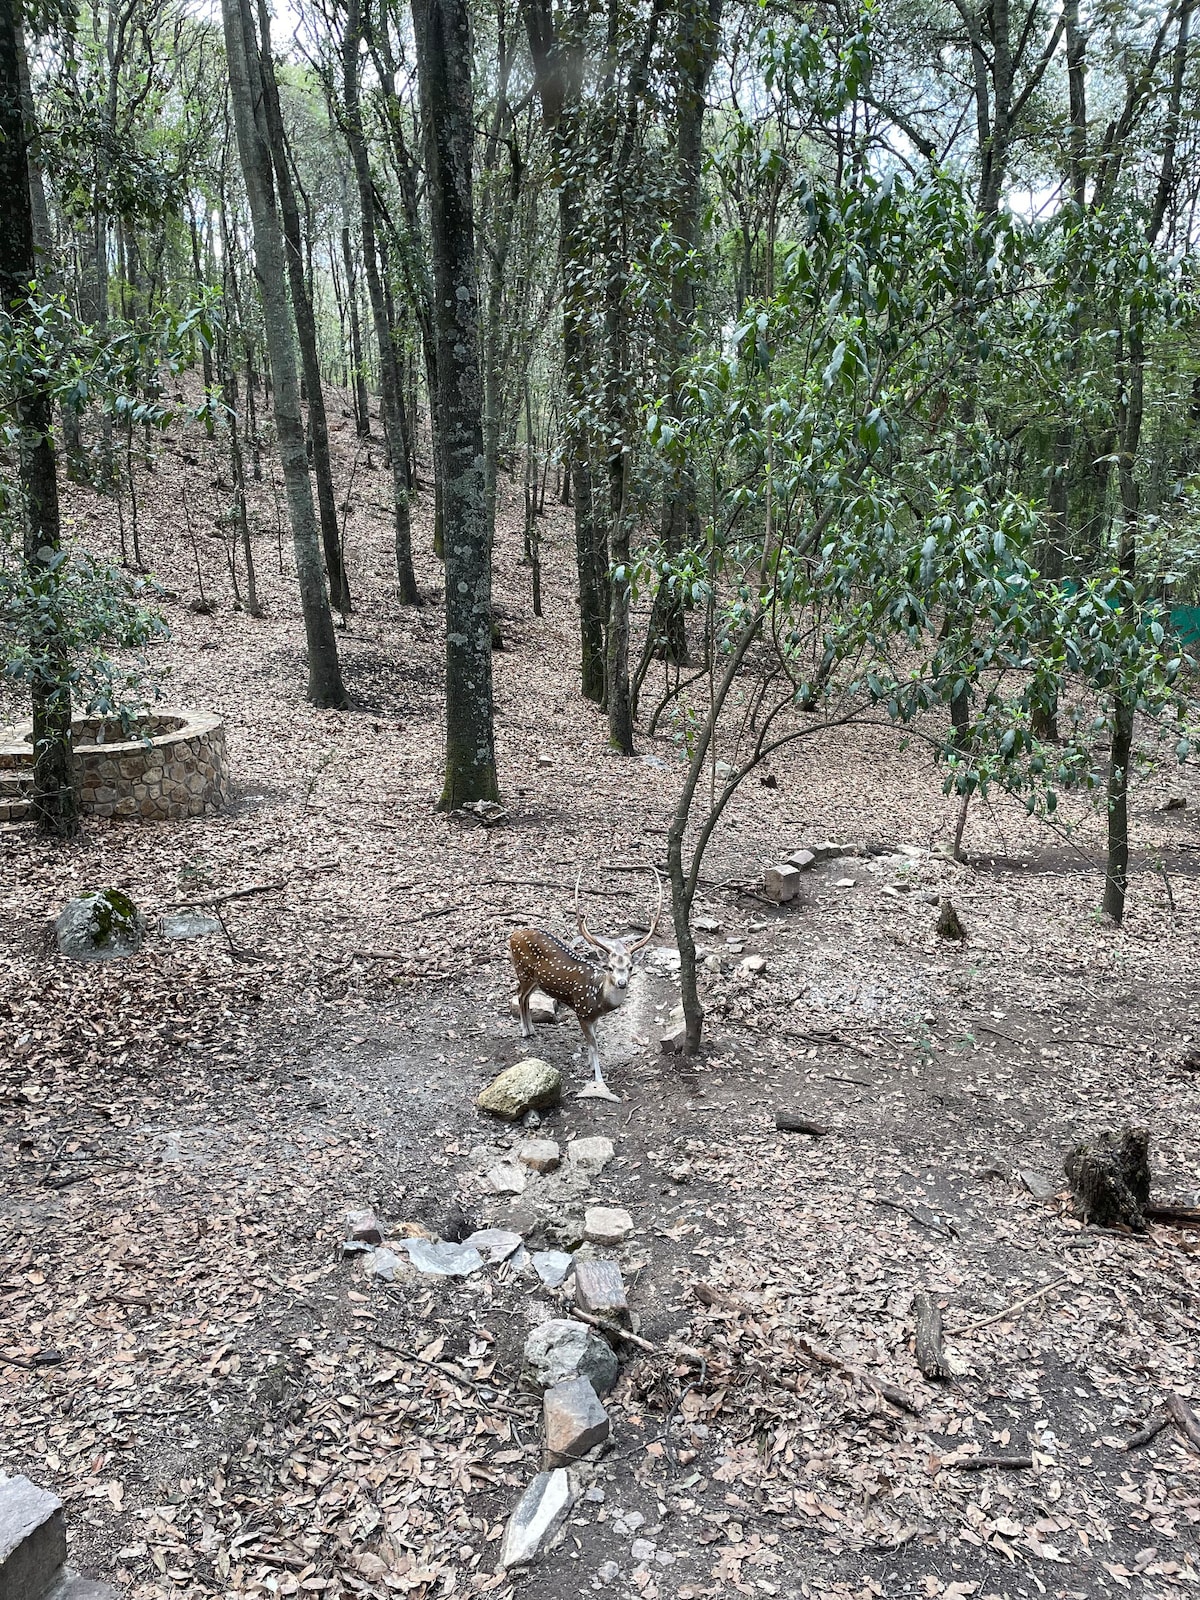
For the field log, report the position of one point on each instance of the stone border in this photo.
(183, 772)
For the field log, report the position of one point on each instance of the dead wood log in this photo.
(888, 1391)
(948, 924)
(1181, 1216)
(1110, 1179)
(1148, 1431)
(931, 1357)
(1184, 1418)
(793, 1122)
(982, 1463)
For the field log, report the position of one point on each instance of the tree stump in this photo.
(948, 924)
(1110, 1179)
(931, 1357)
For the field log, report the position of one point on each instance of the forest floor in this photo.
(229, 1407)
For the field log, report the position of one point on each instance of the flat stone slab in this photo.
(562, 1349)
(33, 1539)
(600, 1291)
(552, 1266)
(536, 1523)
(539, 1155)
(590, 1155)
(573, 1421)
(608, 1225)
(187, 925)
(494, 1244)
(528, 1086)
(507, 1177)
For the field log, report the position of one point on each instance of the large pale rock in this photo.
(440, 1259)
(527, 1086)
(105, 926)
(33, 1539)
(600, 1292)
(573, 1421)
(536, 1523)
(539, 1155)
(506, 1177)
(589, 1156)
(561, 1349)
(781, 883)
(541, 1007)
(494, 1244)
(607, 1225)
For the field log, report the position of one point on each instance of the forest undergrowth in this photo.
(229, 1408)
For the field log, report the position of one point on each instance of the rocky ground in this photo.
(230, 1404)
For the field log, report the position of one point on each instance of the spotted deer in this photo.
(544, 962)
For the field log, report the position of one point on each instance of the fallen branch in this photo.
(229, 894)
(1007, 1311)
(931, 1357)
(1183, 1216)
(893, 1396)
(793, 1122)
(614, 1330)
(1149, 1431)
(947, 1228)
(982, 1463)
(1184, 1418)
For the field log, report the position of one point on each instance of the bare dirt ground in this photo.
(229, 1408)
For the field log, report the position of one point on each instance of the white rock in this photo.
(440, 1259)
(506, 1177)
(589, 1155)
(541, 1007)
(606, 1225)
(494, 1244)
(844, 883)
(706, 925)
(540, 1155)
(754, 965)
(535, 1525)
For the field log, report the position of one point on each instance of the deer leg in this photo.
(597, 1089)
(523, 994)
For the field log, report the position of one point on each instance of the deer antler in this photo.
(641, 944)
(581, 920)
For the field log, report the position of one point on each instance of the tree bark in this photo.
(55, 803)
(362, 404)
(389, 377)
(306, 327)
(325, 687)
(442, 32)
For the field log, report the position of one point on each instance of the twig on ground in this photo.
(793, 1122)
(982, 1463)
(615, 1331)
(1185, 1420)
(893, 1396)
(1006, 1311)
(229, 894)
(947, 1228)
(1148, 1431)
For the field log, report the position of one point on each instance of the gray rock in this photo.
(753, 965)
(674, 1043)
(801, 860)
(506, 1177)
(105, 926)
(527, 1086)
(541, 1007)
(589, 1156)
(494, 1244)
(439, 1259)
(385, 1265)
(1039, 1186)
(826, 850)
(33, 1539)
(706, 925)
(536, 1523)
(606, 1225)
(600, 1291)
(540, 1155)
(531, 1119)
(551, 1266)
(643, 1549)
(607, 1573)
(573, 1421)
(561, 1349)
(191, 924)
(781, 883)
(364, 1226)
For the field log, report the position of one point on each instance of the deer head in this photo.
(619, 953)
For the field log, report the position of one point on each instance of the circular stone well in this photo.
(174, 765)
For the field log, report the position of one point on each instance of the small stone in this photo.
(589, 1155)
(506, 1177)
(440, 1259)
(539, 1155)
(674, 1043)
(365, 1226)
(545, 761)
(801, 860)
(844, 883)
(706, 925)
(607, 1573)
(681, 1174)
(530, 1085)
(537, 1519)
(573, 1421)
(643, 1550)
(600, 1292)
(561, 1349)
(753, 965)
(494, 1244)
(541, 1007)
(595, 1495)
(531, 1119)
(551, 1266)
(781, 883)
(1039, 1186)
(607, 1225)
(826, 850)
(385, 1264)
(188, 925)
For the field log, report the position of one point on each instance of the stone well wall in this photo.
(178, 769)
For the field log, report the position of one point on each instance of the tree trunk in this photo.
(55, 803)
(306, 327)
(389, 377)
(325, 687)
(362, 404)
(442, 32)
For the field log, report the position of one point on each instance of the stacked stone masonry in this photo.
(174, 767)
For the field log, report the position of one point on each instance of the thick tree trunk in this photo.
(442, 33)
(306, 326)
(55, 803)
(325, 687)
(389, 376)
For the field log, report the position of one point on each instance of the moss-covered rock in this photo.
(528, 1086)
(103, 926)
